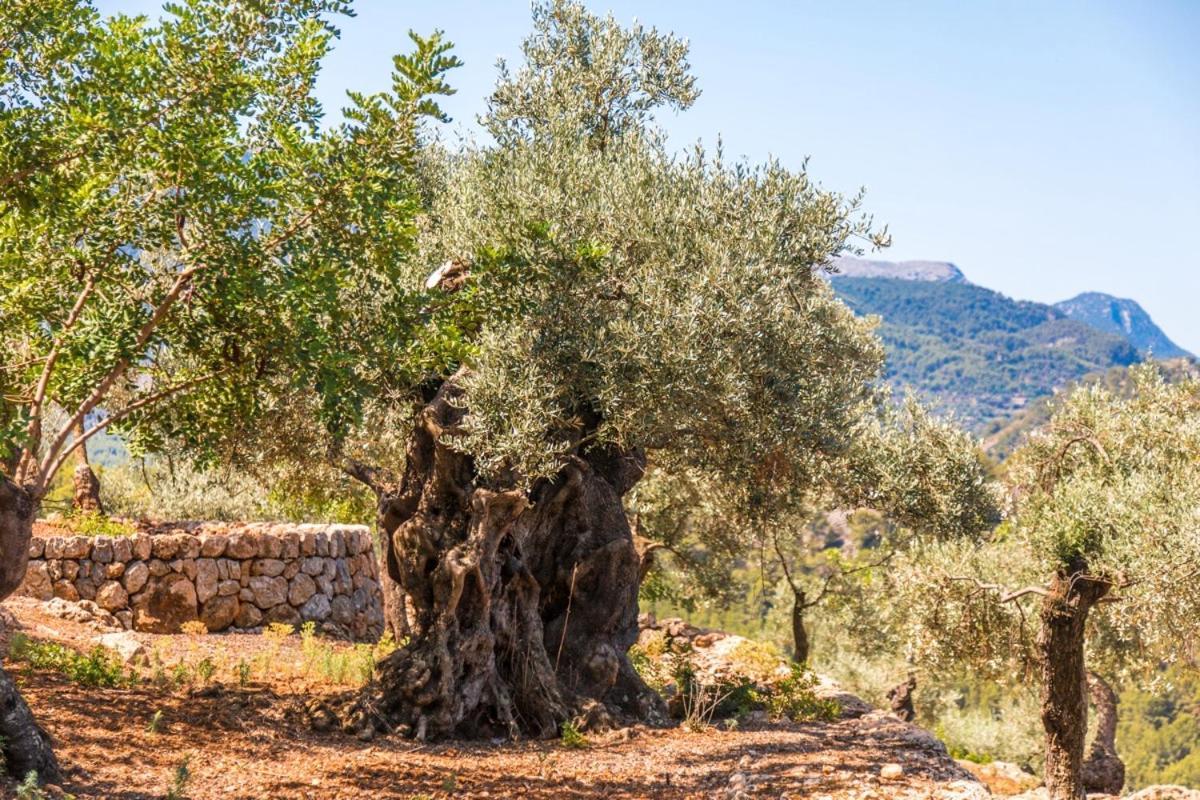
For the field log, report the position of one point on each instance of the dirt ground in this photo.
(252, 742)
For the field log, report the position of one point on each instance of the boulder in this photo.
(167, 547)
(102, 550)
(167, 603)
(267, 566)
(206, 579)
(86, 588)
(301, 589)
(268, 591)
(125, 645)
(122, 549)
(37, 581)
(342, 610)
(135, 577)
(242, 545)
(248, 616)
(283, 613)
(213, 546)
(37, 546)
(111, 596)
(220, 612)
(270, 546)
(77, 547)
(228, 588)
(317, 608)
(143, 546)
(1002, 778)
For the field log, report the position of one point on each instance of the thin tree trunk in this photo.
(86, 485)
(800, 644)
(523, 604)
(1064, 704)
(25, 746)
(1103, 771)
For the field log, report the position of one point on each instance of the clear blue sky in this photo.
(1047, 148)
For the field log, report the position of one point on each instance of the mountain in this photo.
(935, 271)
(1123, 317)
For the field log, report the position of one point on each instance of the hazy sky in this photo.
(1047, 148)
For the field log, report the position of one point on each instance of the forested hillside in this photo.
(974, 351)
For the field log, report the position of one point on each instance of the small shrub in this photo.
(572, 737)
(205, 670)
(794, 698)
(278, 631)
(155, 722)
(243, 673)
(179, 781)
(96, 524)
(98, 668)
(193, 628)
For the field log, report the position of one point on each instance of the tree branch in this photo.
(106, 383)
(1006, 596)
(50, 468)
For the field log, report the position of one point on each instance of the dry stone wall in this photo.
(226, 576)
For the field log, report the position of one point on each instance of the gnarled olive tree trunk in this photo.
(800, 644)
(523, 603)
(25, 746)
(1064, 677)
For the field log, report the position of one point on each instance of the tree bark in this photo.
(25, 746)
(1063, 674)
(900, 697)
(1103, 771)
(86, 485)
(523, 603)
(800, 644)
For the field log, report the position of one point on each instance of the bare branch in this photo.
(1006, 596)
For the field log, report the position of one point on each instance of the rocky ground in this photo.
(248, 739)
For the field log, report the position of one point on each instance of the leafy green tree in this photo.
(1099, 556)
(184, 246)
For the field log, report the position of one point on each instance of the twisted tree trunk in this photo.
(523, 603)
(1103, 771)
(25, 746)
(1064, 703)
(900, 697)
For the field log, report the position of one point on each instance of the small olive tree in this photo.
(923, 476)
(1100, 556)
(183, 246)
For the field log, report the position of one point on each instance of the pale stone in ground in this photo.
(126, 645)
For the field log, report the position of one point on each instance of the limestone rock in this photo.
(891, 772)
(270, 567)
(220, 612)
(37, 546)
(1002, 778)
(342, 610)
(228, 588)
(248, 616)
(77, 547)
(213, 546)
(317, 608)
(126, 645)
(122, 549)
(102, 550)
(301, 589)
(111, 596)
(37, 581)
(135, 577)
(242, 545)
(65, 590)
(268, 591)
(167, 603)
(206, 579)
(283, 613)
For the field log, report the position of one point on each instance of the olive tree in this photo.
(183, 244)
(918, 474)
(1097, 562)
(647, 309)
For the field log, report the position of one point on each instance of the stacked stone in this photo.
(225, 576)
